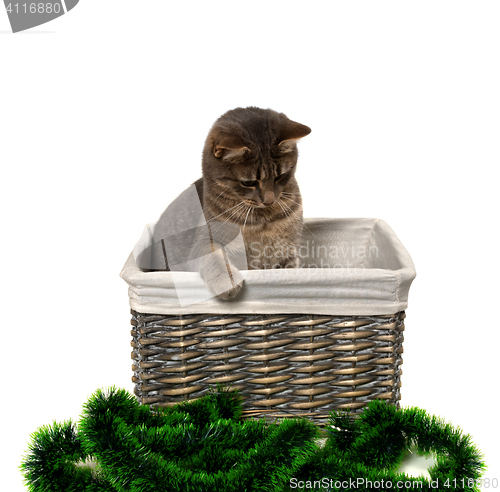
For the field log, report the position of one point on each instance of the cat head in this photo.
(250, 155)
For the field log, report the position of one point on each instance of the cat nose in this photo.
(268, 198)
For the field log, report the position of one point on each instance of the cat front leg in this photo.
(221, 277)
(219, 256)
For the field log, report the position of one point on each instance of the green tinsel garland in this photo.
(364, 454)
(204, 446)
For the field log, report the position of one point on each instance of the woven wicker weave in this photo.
(284, 365)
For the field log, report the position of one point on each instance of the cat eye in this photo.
(281, 176)
(249, 183)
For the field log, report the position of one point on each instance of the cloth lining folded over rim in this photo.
(347, 267)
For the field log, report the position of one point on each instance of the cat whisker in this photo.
(231, 215)
(236, 214)
(286, 198)
(225, 188)
(220, 194)
(225, 211)
(286, 207)
(293, 212)
(245, 223)
(283, 208)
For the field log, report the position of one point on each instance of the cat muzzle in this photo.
(268, 198)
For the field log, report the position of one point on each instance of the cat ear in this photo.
(291, 132)
(228, 146)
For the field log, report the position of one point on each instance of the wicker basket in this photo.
(291, 365)
(341, 354)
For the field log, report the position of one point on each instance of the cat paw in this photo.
(231, 293)
(222, 285)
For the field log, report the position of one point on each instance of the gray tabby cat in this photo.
(248, 190)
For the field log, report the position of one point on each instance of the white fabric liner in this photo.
(348, 267)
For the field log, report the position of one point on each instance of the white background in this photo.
(103, 115)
